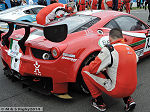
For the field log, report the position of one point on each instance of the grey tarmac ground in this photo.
(12, 94)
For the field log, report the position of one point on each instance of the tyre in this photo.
(81, 86)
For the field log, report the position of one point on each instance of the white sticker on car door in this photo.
(103, 41)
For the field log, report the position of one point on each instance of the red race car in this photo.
(54, 55)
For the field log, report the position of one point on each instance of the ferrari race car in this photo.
(21, 13)
(54, 55)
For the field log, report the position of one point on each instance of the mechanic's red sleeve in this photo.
(94, 65)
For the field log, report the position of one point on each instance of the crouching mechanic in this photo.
(52, 12)
(114, 71)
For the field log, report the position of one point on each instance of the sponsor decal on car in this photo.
(139, 52)
(37, 70)
(69, 55)
(14, 52)
(70, 59)
(103, 41)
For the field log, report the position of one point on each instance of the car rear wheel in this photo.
(81, 86)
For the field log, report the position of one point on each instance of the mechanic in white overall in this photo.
(114, 71)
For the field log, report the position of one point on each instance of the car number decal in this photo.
(147, 44)
(103, 41)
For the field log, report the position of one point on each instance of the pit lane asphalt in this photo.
(13, 95)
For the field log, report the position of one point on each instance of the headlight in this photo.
(46, 56)
(55, 52)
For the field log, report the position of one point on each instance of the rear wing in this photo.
(55, 33)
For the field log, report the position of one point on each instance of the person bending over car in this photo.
(114, 71)
(52, 12)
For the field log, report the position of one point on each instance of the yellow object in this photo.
(63, 96)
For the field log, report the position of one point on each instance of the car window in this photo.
(36, 10)
(29, 11)
(75, 23)
(127, 23)
(87, 25)
(112, 24)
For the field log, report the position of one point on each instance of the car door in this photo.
(134, 32)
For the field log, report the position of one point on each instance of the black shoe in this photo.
(130, 105)
(101, 107)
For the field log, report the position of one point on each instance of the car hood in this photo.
(12, 15)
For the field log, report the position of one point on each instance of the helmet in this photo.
(70, 7)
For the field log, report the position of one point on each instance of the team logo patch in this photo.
(37, 70)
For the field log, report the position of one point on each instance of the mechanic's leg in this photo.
(94, 90)
(115, 5)
(128, 7)
(99, 4)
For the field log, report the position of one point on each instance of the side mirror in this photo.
(101, 31)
